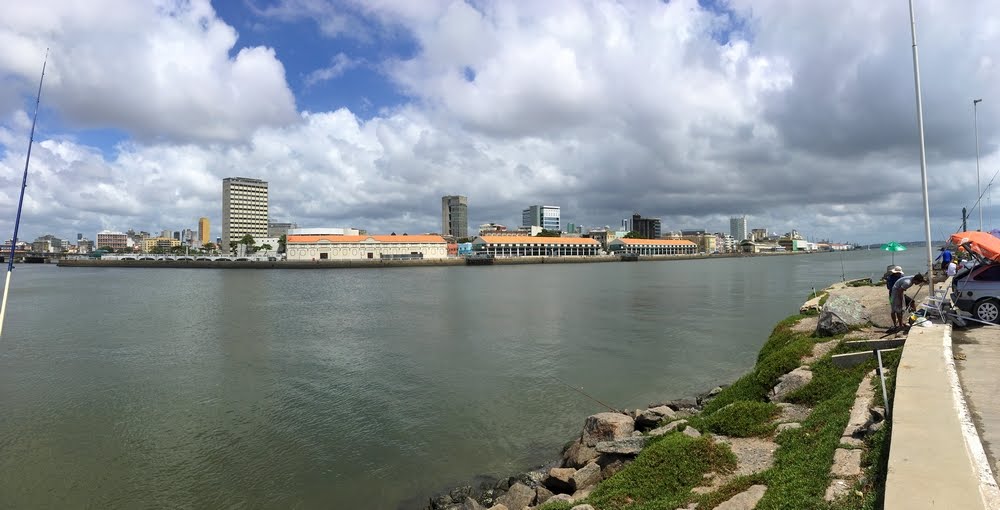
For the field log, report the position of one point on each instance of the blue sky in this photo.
(364, 113)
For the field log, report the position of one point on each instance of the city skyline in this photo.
(365, 114)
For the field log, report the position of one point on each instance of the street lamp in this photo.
(979, 195)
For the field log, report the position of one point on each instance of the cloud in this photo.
(158, 70)
(339, 64)
(800, 115)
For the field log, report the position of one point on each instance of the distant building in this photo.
(204, 231)
(738, 228)
(84, 246)
(341, 247)
(79, 236)
(524, 246)
(323, 231)
(163, 243)
(491, 228)
(244, 209)
(647, 228)
(758, 234)
(49, 244)
(114, 240)
(455, 216)
(548, 217)
(650, 247)
(275, 229)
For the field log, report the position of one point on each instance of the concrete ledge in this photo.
(933, 460)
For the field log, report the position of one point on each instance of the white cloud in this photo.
(799, 114)
(158, 70)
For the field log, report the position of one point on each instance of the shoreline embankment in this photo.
(355, 264)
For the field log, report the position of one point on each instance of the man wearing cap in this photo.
(897, 297)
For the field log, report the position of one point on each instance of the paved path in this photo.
(977, 357)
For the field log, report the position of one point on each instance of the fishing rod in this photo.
(980, 198)
(20, 201)
(591, 397)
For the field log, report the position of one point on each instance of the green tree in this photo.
(248, 241)
(107, 249)
(266, 247)
(232, 247)
(281, 243)
(633, 235)
(549, 233)
(208, 247)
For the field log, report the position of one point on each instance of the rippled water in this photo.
(355, 388)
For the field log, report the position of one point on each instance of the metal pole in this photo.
(20, 201)
(979, 194)
(881, 376)
(923, 155)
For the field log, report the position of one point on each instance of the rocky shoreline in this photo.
(751, 421)
(608, 442)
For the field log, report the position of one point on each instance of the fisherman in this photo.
(945, 257)
(900, 301)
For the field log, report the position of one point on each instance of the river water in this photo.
(358, 388)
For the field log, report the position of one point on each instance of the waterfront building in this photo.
(323, 231)
(647, 247)
(455, 216)
(603, 236)
(525, 246)
(163, 243)
(707, 243)
(275, 229)
(203, 231)
(365, 247)
(49, 244)
(244, 208)
(758, 234)
(547, 217)
(84, 246)
(114, 240)
(647, 228)
(738, 228)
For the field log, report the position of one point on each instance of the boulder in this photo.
(790, 382)
(518, 497)
(678, 404)
(607, 427)
(542, 494)
(471, 504)
(587, 476)
(652, 417)
(565, 498)
(627, 446)
(670, 427)
(839, 315)
(578, 455)
(789, 426)
(611, 466)
(560, 480)
(691, 432)
(746, 500)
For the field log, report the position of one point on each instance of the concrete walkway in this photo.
(977, 357)
(936, 459)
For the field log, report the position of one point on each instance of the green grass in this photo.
(663, 475)
(558, 505)
(739, 419)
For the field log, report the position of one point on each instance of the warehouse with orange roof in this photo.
(647, 247)
(527, 246)
(365, 247)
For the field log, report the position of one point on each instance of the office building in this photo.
(545, 216)
(738, 228)
(113, 240)
(363, 247)
(455, 216)
(244, 209)
(203, 231)
(647, 228)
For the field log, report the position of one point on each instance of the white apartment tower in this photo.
(738, 228)
(244, 209)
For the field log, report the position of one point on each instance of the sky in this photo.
(364, 113)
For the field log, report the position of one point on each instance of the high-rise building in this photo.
(545, 216)
(455, 216)
(738, 228)
(647, 228)
(244, 209)
(203, 231)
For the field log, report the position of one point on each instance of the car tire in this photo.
(987, 310)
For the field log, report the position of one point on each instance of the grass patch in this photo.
(863, 282)
(739, 419)
(557, 505)
(663, 475)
